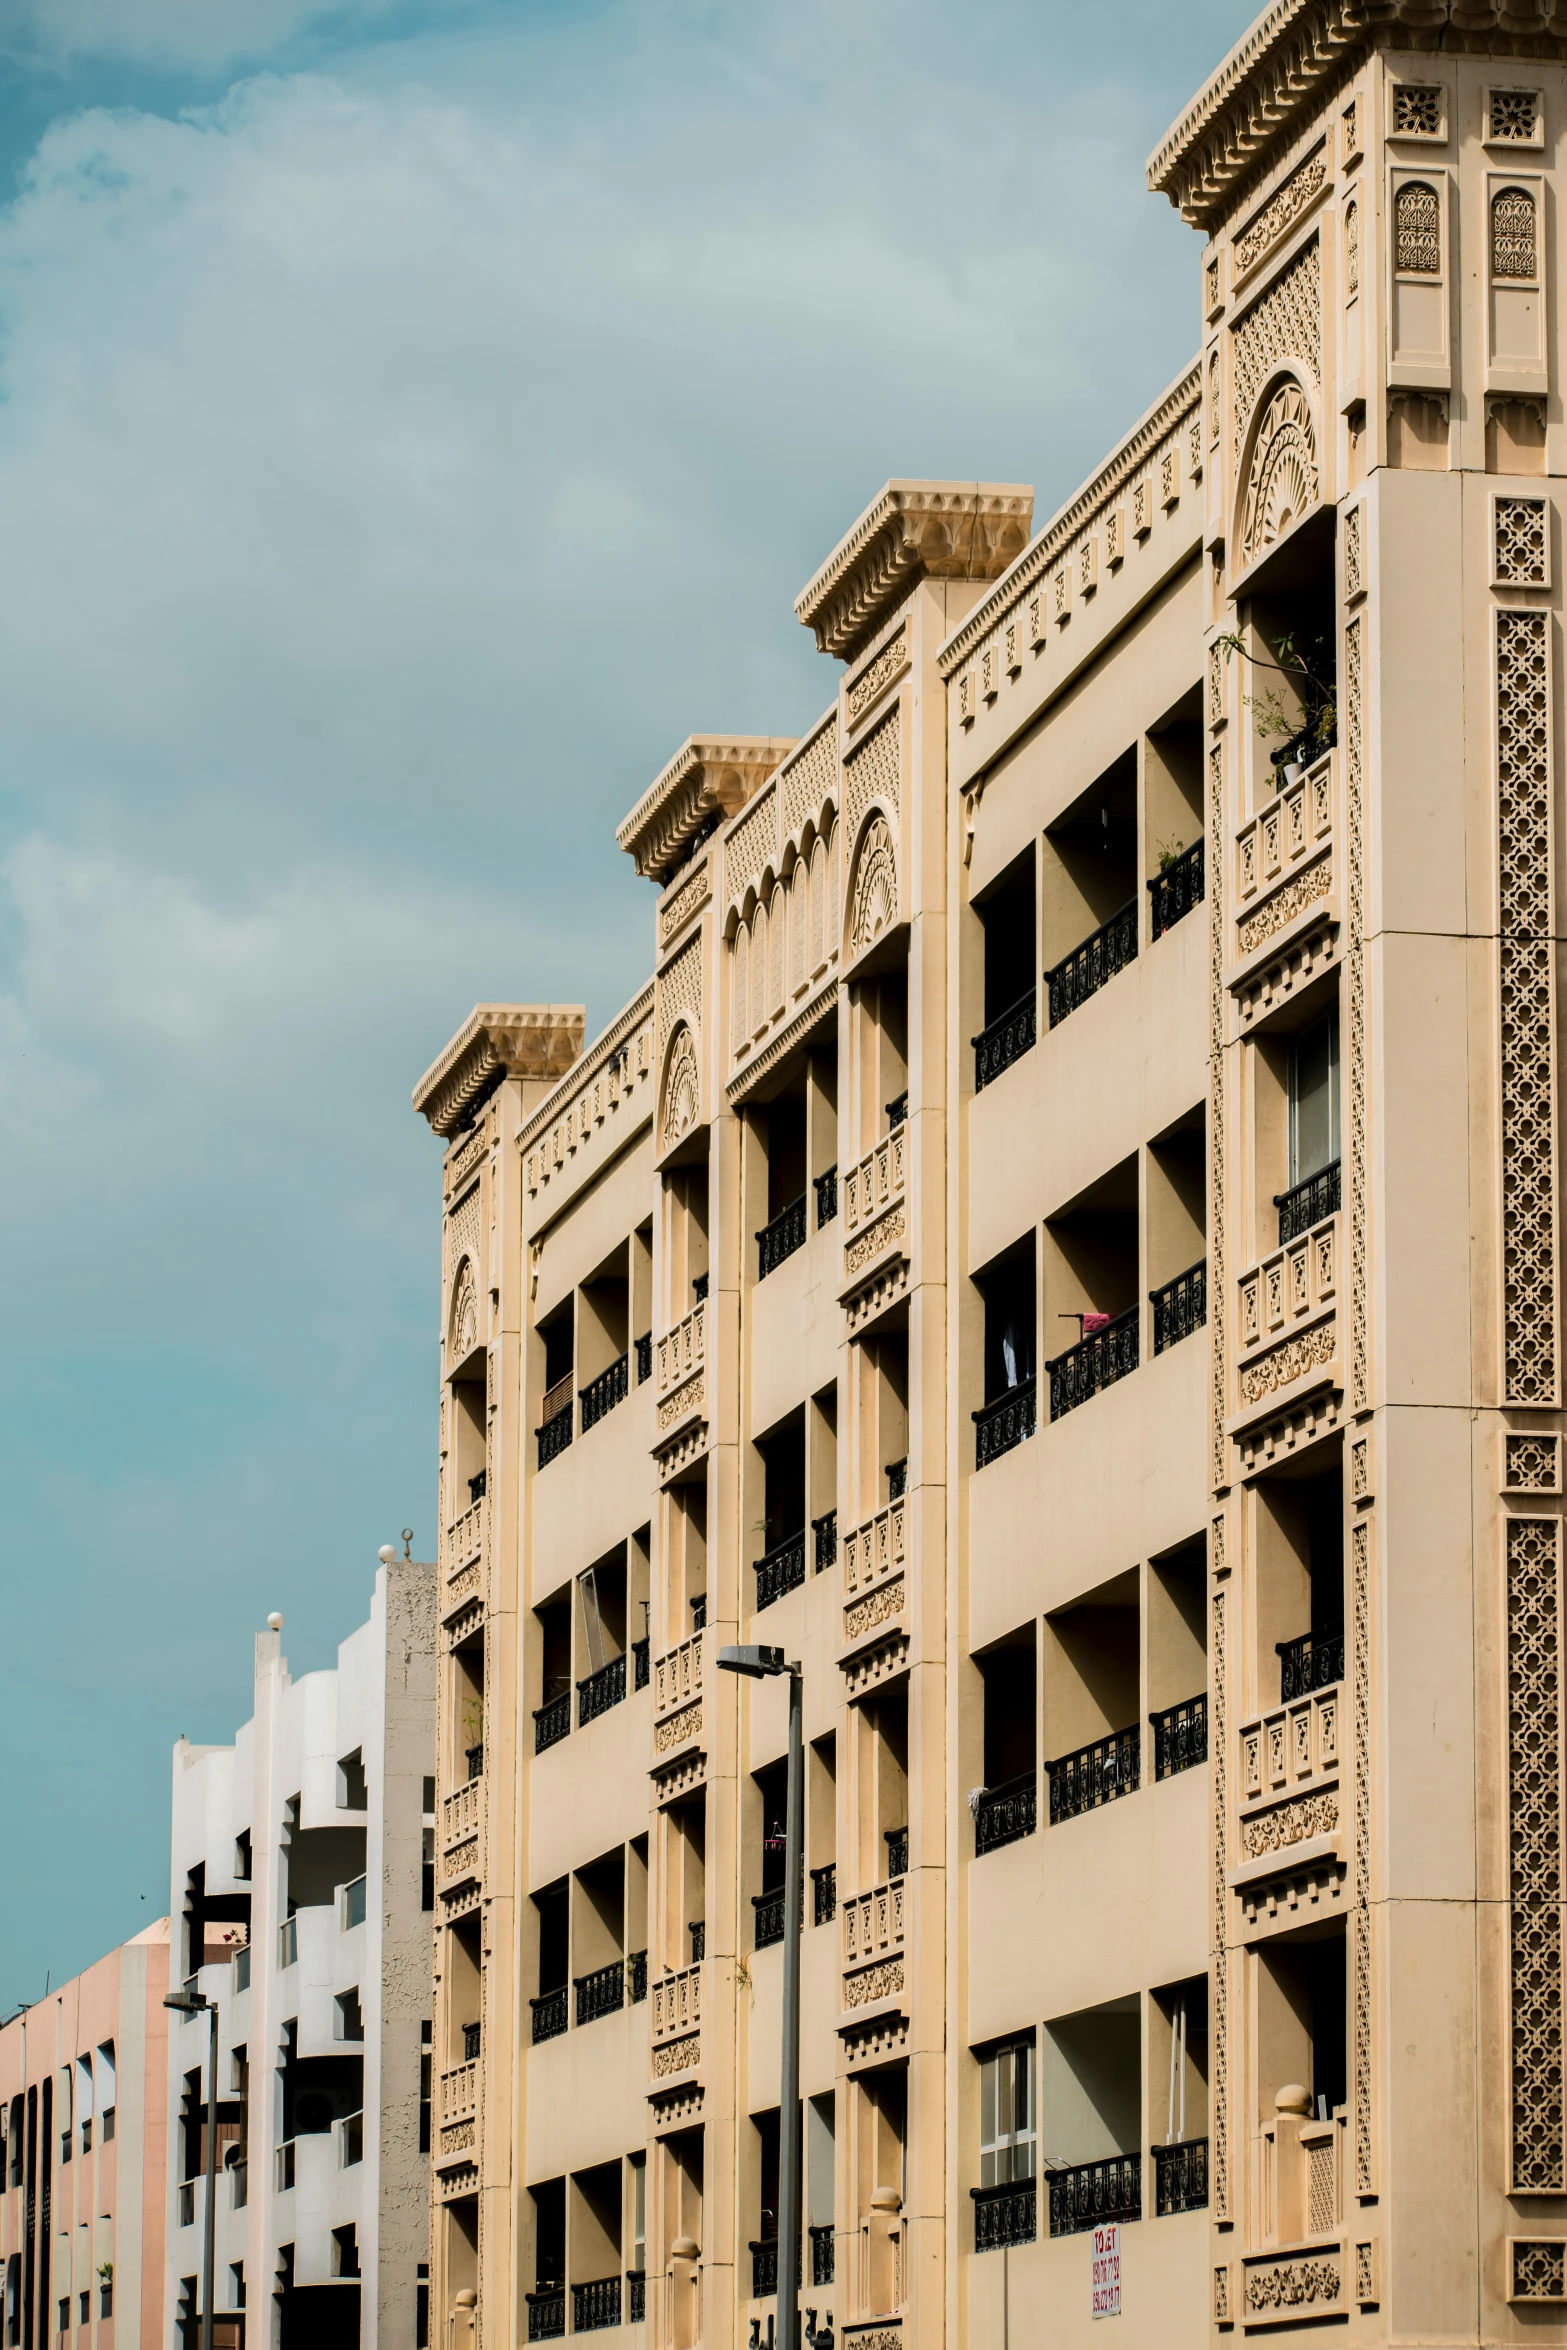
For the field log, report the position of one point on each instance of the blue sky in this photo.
(414, 421)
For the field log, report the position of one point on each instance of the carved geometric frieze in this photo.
(1532, 1464)
(1281, 211)
(1284, 324)
(863, 1615)
(677, 1728)
(1538, 2161)
(460, 1901)
(1290, 1823)
(1280, 2290)
(1526, 957)
(1537, 2268)
(676, 2056)
(1283, 483)
(674, 1410)
(883, 1981)
(677, 908)
(874, 1242)
(861, 690)
(1312, 1350)
(1279, 911)
(680, 1097)
(1274, 977)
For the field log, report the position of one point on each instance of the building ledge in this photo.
(709, 779)
(494, 1042)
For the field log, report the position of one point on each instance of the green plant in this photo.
(1306, 664)
(1168, 851)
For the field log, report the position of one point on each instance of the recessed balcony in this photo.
(1007, 1421)
(1180, 1307)
(603, 1992)
(1099, 1358)
(1096, 1774)
(826, 1189)
(1005, 1040)
(554, 1431)
(1310, 1201)
(550, 2015)
(1008, 2214)
(1180, 1736)
(603, 1393)
(600, 1691)
(1085, 2195)
(1180, 2177)
(1175, 890)
(780, 1239)
(1006, 1814)
(1314, 1661)
(779, 1570)
(552, 1723)
(595, 2306)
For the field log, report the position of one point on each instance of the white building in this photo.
(301, 1881)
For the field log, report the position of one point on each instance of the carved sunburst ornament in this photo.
(1283, 484)
(875, 886)
(682, 1093)
(465, 1313)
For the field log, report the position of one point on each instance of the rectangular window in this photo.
(1006, 2113)
(1314, 1136)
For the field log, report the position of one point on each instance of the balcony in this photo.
(768, 1923)
(472, 2041)
(698, 1933)
(1004, 2215)
(1180, 1736)
(897, 1843)
(1006, 1040)
(826, 1190)
(677, 2004)
(595, 2306)
(554, 1431)
(677, 1676)
(873, 1191)
(1286, 1749)
(1094, 964)
(636, 1977)
(873, 1923)
(825, 1532)
(639, 1659)
(603, 1393)
(643, 1349)
(636, 2296)
(824, 1894)
(764, 2269)
(1096, 1362)
(1289, 831)
(779, 1570)
(1180, 2178)
(1180, 1308)
(601, 1993)
(549, 2015)
(822, 2248)
(875, 1550)
(460, 2092)
(1004, 1423)
(1006, 1814)
(1094, 1775)
(1314, 1661)
(1175, 890)
(682, 1352)
(780, 1238)
(552, 1722)
(546, 2315)
(1310, 1201)
(600, 1691)
(1086, 2194)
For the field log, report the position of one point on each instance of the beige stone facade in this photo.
(1066, 1244)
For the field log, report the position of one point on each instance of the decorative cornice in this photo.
(709, 778)
(497, 1040)
(777, 1047)
(913, 530)
(1036, 559)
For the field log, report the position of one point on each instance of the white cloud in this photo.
(191, 34)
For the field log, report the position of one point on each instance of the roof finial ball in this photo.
(274, 1622)
(387, 1554)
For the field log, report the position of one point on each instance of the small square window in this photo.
(1419, 110)
(1514, 118)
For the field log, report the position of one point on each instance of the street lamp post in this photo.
(192, 2003)
(763, 1664)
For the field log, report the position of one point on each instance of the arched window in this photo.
(1352, 249)
(799, 916)
(1417, 230)
(741, 952)
(1513, 233)
(818, 902)
(758, 968)
(777, 923)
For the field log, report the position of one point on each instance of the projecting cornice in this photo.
(496, 1041)
(1275, 71)
(709, 779)
(913, 530)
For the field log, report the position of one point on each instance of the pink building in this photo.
(83, 2119)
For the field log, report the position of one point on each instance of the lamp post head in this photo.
(759, 1664)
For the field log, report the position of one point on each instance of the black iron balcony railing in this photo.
(1006, 1040)
(699, 1286)
(639, 1658)
(1312, 743)
(826, 1188)
(595, 2306)
(1180, 1736)
(1094, 964)
(1002, 1815)
(603, 1393)
(1004, 1422)
(780, 1238)
(643, 1349)
(600, 1691)
(897, 1843)
(554, 1436)
(636, 2296)
(898, 1478)
(769, 1926)
(825, 1529)
(1180, 2177)
(698, 1933)
(1087, 2193)
(822, 2263)
(1308, 1202)
(764, 2269)
(780, 1569)
(699, 1612)
(475, 1762)
(547, 2315)
(478, 1486)
(636, 1977)
(1180, 1307)
(824, 1894)
(1314, 1661)
(1094, 1775)
(1008, 2214)
(1093, 1364)
(601, 1993)
(472, 2041)
(898, 1110)
(549, 2015)
(1173, 892)
(552, 1723)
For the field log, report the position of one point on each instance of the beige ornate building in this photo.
(1065, 1243)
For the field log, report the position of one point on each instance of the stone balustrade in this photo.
(460, 2092)
(682, 1350)
(873, 1923)
(1290, 1745)
(874, 1183)
(1289, 1286)
(677, 2004)
(677, 1675)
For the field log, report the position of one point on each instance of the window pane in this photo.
(1313, 1101)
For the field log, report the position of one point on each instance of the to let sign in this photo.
(1107, 2269)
